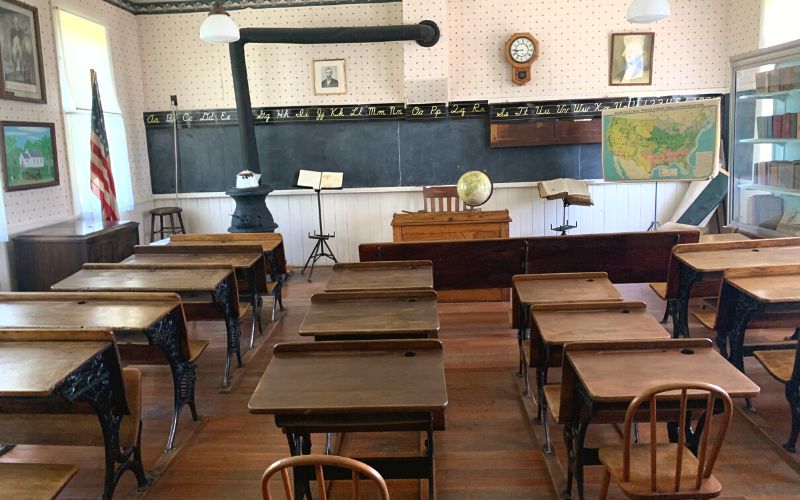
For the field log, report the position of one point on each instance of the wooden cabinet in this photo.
(468, 225)
(49, 254)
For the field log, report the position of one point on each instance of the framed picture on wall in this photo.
(329, 77)
(631, 59)
(29, 155)
(21, 73)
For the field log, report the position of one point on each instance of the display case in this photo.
(764, 150)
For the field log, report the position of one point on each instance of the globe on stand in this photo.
(474, 188)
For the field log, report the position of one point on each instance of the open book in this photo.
(575, 192)
(319, 180)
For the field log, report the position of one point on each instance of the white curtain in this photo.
(83, 45)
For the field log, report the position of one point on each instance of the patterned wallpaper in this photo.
(38, 205)
(176, 61)
(690, 47)
(42, 205)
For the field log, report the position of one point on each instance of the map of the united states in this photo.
(673, 141)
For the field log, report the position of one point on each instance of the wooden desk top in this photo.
(151, 280)
(354, 313)
(379, 376)
(718, 238)
(720, 260)
(618, 372)
(382, 275)
(463, 217)
(237, 260)
(124, 311)
(596, 322)
(770, 289)
(564, 288)
(34, 369)
(268, 241)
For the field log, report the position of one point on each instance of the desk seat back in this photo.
(637, 257)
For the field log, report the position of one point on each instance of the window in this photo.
(779, 22)
(83, 45)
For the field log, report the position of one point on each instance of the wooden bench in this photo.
(22, 481)
(54, 397)
(785, 367)
(636, 257)
(271, 244)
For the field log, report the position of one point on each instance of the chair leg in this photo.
(605, 484)
(152, 228)
(180, 220)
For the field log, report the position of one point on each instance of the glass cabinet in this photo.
(764, 149)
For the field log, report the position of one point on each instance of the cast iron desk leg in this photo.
(687, 277)
(254, 304)
(164, 335)
(223, 299)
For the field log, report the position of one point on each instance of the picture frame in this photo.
(21, 68)
(329, 77)
(28, 155)
(630, 58)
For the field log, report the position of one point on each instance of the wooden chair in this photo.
(318, 461)
(34, 481)
(627, 464)
(447, 197)
(785, 367)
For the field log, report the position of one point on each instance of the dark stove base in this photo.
(251, 214)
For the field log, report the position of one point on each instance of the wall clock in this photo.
(521, 51)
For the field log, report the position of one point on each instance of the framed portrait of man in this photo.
(631, 59)
(21, 71)
(329, 77)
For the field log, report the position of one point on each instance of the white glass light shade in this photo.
(648, 11)
(219, 28)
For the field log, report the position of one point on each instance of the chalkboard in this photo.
(370, 153)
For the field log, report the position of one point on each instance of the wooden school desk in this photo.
(600, 379)
(271, 245)
(372, 315)
(557, 288)
(320, 387)
(717, 258)
(136, 319)
(756, 298)
(248, 260)
(217, 282)
(42, 372)
(555, 325)
(381, 276)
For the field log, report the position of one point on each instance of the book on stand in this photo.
(572, 191)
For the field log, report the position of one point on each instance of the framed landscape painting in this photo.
(21, 75)
(29, 155)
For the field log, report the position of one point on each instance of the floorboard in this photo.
(488, 450)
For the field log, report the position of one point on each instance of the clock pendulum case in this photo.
(521, 50)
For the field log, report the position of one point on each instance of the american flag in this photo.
(101, 177)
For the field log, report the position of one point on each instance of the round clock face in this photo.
(522, 50)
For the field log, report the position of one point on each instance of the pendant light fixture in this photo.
(218, 27)
(648, 11)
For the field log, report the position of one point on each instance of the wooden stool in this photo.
(161, 212)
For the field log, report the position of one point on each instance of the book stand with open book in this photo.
(319, 181)
(570, 192)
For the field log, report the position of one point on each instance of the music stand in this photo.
(319, 181)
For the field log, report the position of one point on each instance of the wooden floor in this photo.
(487, 452)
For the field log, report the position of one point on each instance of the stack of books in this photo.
(785, 174)
(778, 80)
(783, 126)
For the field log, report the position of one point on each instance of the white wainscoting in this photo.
(365, 215)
